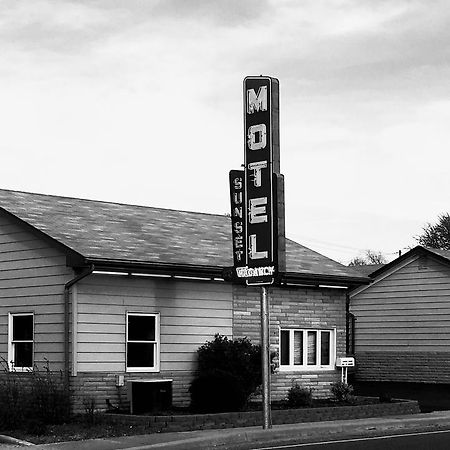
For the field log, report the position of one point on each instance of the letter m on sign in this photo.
(256, 102)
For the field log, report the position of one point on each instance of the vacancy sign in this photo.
(261, 161)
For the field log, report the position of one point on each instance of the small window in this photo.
(21, 341)
(350, 343)
(307, 349)
(142, 342)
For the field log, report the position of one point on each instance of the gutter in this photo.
(67, 287)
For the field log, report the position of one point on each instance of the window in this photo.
(20, 342)
(307, 349)
(350, 343)
(142, 342)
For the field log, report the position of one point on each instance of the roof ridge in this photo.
(113, 203)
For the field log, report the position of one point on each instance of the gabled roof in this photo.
(441, 255)
(114, 234)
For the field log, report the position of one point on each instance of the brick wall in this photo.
(102, 386)
(293, 307)
(415, 367)
(159, 424)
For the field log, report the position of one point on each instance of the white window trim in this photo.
(306, 367)
(11, 362)
(157, 343)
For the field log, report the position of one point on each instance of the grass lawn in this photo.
(78, 429)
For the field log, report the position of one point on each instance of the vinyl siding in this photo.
(32, 278)
(407, 310)
(191, 312)
(402, 330)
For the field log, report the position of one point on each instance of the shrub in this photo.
(226, 365)
(217, 391)
(11, 399)
(49, 395)
(299, 396)
(342, 392)
(34, 399)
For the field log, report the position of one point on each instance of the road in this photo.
(435, 440)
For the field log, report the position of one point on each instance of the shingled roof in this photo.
(112, 233)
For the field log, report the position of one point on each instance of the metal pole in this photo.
(265, 358)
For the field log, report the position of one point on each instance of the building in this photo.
(402, 320)
(118, 295)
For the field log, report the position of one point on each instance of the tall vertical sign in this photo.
(257, 208)
(262, 164)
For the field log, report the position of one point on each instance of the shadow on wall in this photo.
(431, 397)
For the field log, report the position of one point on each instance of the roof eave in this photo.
(323, 279)
(152, 268)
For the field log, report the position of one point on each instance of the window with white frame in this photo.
(21, 341)
(142, 342)
(307, 349)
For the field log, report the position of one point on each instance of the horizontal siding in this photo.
(407, 311)
(32, 278)
(405, 366)
(191, 312)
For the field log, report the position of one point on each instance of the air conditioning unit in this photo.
(149, 395)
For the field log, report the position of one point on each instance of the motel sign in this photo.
(257, 208)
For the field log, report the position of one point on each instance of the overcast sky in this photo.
(140, 101)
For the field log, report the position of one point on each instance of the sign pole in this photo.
(265, 358)
(257, 209)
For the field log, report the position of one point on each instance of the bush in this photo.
(229, 370)
(342, 392)
(217, 391)
(299, 396)
(35, 399)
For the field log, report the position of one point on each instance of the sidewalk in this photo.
(247, 438)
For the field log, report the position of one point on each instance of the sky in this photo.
(140, 102)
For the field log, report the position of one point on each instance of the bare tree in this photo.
(436, 235)
(369, 257)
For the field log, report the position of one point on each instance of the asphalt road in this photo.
(435, 440)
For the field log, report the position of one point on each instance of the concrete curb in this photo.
(13, 441)
(285, 434)
(251, 437)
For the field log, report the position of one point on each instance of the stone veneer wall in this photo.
(293, 307)
(415, 367)
(161, 424)
(102, 386)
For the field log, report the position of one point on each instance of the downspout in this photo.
(67, 287)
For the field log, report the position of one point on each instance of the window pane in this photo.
(284, 352)
(298, 348)
(23, 354)
(23, 328)
(325, 348)
(141, 328)
(140, 355)
(312, 339)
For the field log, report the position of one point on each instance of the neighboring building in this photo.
(110, 293)
(402, 320)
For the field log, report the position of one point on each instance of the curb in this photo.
(13, 441)
(245, 438)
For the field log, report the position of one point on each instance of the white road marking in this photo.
(340, 441)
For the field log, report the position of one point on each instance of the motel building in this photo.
(120, 297)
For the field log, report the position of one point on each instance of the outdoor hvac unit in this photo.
(149, 395)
